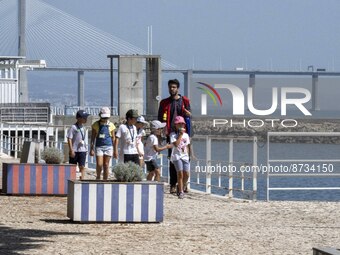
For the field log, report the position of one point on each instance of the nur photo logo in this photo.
(209, 90)
(280, 98)
(299, 98)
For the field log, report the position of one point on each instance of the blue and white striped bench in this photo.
(99, 201)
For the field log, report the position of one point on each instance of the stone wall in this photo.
(205, 127)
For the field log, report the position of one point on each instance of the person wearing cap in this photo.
(180, 154)
(76, 142)
(102, 140)
(140, 137)
(127, 134)
(169, 108)
(152, 149)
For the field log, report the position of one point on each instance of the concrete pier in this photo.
(198, 224)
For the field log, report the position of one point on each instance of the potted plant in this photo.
(126, 199)
(48, 177)
(52, 155)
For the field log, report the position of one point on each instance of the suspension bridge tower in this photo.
(23, 86)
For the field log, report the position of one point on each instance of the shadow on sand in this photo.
(15, 241)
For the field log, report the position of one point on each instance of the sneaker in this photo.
(181, 195)
(173, 190)
(185, 188)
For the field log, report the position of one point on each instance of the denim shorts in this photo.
(182, 165)
(151, 165)
(104, 150)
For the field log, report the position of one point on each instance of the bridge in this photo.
(67, 43)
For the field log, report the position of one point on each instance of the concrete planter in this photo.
(36, 179)
(109, 201)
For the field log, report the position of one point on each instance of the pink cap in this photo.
(179, 119)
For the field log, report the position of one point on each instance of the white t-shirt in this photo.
(141, 133)
(77, 134)
(180, 151)
(150, 152)
(128, 137)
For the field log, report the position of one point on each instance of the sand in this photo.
(198, 224)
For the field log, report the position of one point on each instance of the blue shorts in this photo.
(79, 158)
(131, 158)
(151, 165)
(182, 165)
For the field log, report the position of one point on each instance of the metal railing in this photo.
(292, 171)
(72, 110)
(12, 138)
(228, 170)
(24, 114)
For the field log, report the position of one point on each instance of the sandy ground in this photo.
(198, 224)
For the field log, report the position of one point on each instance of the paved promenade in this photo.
(198, 224)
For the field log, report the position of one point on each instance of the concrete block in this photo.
(28, 152)
(125, 65)
(39, 147)
(137, 65)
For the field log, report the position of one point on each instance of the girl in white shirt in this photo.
(180, 154)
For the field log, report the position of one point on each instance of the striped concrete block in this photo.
(96, 201)
(36, 179)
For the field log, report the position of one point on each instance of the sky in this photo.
(285, 35)
(215, 34)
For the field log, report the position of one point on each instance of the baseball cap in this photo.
(105, 112)
(156, 124)
(179, 119)
(82, 114)
(132, 113)
(141, 119)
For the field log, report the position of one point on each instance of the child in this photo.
(103, 133)
(127, 133)
(140, 136)
(180, 154)
(76, 142)
(152, 149)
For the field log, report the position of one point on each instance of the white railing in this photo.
(24, 114)
(217, 172)
(296, 166)
(72, 110)
(12, 138)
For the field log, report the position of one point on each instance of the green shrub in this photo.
(128, 172)
(52, 155)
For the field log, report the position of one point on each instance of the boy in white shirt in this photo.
(76, 142)
(180, 154)
(152, 149)
(127, 133)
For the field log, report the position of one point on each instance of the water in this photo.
(243, 154)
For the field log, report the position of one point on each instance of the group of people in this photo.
(127, 142)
